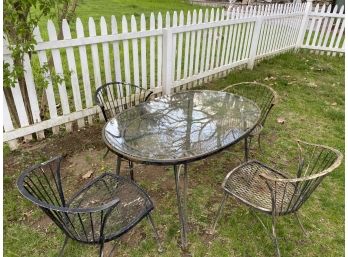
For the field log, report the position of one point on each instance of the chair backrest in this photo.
(115, 97)
(41, 184)
(315, 163)
(264, 96)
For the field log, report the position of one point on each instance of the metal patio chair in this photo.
(113, 98)
(264, 96)
(272, 192)
(102, 210)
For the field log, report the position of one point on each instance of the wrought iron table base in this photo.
(182, 203)
(130, 167)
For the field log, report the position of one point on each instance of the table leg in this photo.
(118, 165)
(246, 149)
(182, 204)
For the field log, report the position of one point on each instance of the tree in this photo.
(20, 19)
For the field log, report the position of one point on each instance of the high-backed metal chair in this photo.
(113, 98)
(101, 211)
(264, 96)
(267, 190)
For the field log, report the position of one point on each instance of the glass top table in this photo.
(181, 128)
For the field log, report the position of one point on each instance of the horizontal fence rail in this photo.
(164, 53)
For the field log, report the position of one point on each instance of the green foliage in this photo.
(20, 19)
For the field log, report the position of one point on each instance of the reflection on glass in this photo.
(182, 126)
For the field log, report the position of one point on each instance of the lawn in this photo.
(311, 89)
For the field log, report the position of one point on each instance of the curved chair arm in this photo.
(276, 96)
(20, 184)
(326, 171)
(101, 104)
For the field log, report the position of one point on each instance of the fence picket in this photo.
(204, 44)
(175, 24)
(73, 72)
(192, 46)
(179, 47)
(230, 31)
(18, 101)
(95, 58)
(213, 49)
(126, 55)
(319, 21)
(106, 52)
(339, 37)
(198, 46)
(159, 52)
(143, 53)
(219, 36)
(209, 43)
(242, 38)
(59, 70)
(33, 101)
(51, 101)
(323, 28)
(329, 28)
(338, 20)
(84, 69)
(152, 52)
(309, 34)
(135, 52)
(238, 37)
(187, 45)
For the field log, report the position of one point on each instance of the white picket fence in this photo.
(165, 54)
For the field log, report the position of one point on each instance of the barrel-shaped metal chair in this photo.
(273, 192)
(101, 211)
(264, 96)
(113, 98)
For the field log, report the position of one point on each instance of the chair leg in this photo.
(300, 223)
(101, 249)
(218, 215)
(107, 151)
(160, 249)
(246, 149)
(259, 142)
(61, 252)
(275, 239)
(131, 170)
(118, 165)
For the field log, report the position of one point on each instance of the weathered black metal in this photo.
(101, 211)
(275, 193)
(113, 98)
(264, 96)
(179, 129)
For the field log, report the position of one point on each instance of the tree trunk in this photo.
(11, 106)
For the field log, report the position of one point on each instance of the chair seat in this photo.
(134, 203)
(257, 130)
(245, 184)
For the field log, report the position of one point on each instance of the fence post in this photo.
(303, 26)
(167, 76)
(254, 42)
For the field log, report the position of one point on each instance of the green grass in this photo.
(311, 89)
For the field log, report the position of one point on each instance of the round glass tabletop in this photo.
(182, 127)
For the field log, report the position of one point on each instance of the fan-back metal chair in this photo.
(113, 98)
(264, 96)
(272, 192)
(101, 211)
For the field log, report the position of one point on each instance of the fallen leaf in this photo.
(312, 84)
(87, 175)
(334, 104)
(281, 120)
